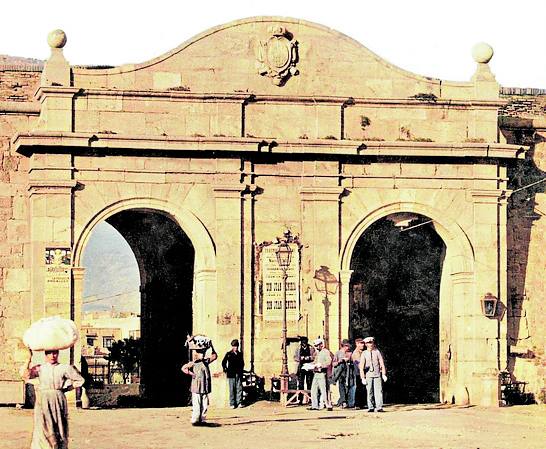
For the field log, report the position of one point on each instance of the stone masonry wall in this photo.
(523, 102)
(16, 85)
(522, 122)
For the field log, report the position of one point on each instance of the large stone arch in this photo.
(205, 251)
(204, 284)
(457, 286)
(450, 232)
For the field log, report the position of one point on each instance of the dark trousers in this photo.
(360, 394)
(343, 392)
(235, 385)
(304, 378)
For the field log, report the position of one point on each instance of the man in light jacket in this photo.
(319, 387)
(372, 371)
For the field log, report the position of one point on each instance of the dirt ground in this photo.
(268, 425)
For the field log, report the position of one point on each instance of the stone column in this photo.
(205, 304)
(344, 291)
(320, 231)
(462, 340)
(447, 336)
(230, 279)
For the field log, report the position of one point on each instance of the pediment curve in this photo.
(275, 55)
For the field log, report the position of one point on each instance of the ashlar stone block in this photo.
(16, 280)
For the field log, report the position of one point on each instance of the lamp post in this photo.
(326, 283)
(284, 256)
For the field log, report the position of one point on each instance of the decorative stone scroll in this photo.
(270, 277)
(57, 276)
(277, 56)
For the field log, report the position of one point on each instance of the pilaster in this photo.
(78, 276)
(344, 291)
(229, 256)
(487, 335)
(321, 232)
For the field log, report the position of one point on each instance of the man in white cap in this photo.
(323, 361)
(372, 370)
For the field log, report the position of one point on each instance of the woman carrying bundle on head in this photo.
(51, 408)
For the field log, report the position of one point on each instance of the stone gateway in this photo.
(410, 193)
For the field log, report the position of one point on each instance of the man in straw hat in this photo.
(372, 371)
(319, 387)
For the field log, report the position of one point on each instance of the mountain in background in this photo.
(112, 279)
(19, 60)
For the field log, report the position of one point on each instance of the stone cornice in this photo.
(237, 97)
(51, 187)
(43, 91)
(462, 277)
(229, 190)
(20, 107)
(321, 193)
(25, 143)
(488, 196)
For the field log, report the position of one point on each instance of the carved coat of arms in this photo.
(277, 56)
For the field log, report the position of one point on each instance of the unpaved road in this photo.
(268, 426)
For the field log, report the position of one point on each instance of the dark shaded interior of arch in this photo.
(166, 257)
(395, 291)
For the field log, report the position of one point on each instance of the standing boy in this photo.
(372, 369)
(233, 365)
(200, 383)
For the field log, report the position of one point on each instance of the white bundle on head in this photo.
(50, 334)
(199, 342)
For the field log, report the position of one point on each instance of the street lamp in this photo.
(284, 256)
(489, 305)
(326, 283)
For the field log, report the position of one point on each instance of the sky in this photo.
(429, 37)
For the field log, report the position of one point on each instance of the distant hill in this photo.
(18, 60)
(111, 277)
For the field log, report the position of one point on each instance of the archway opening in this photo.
(395, 297)
(165, 258)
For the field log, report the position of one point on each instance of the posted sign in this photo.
(272, 284)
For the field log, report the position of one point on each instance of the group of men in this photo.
(353, 372)
(356, 372)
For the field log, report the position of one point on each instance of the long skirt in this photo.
(50, 421)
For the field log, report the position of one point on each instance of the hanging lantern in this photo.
(489, 305)
(284, 255)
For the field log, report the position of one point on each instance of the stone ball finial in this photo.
(482, 53)
(56, 39)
